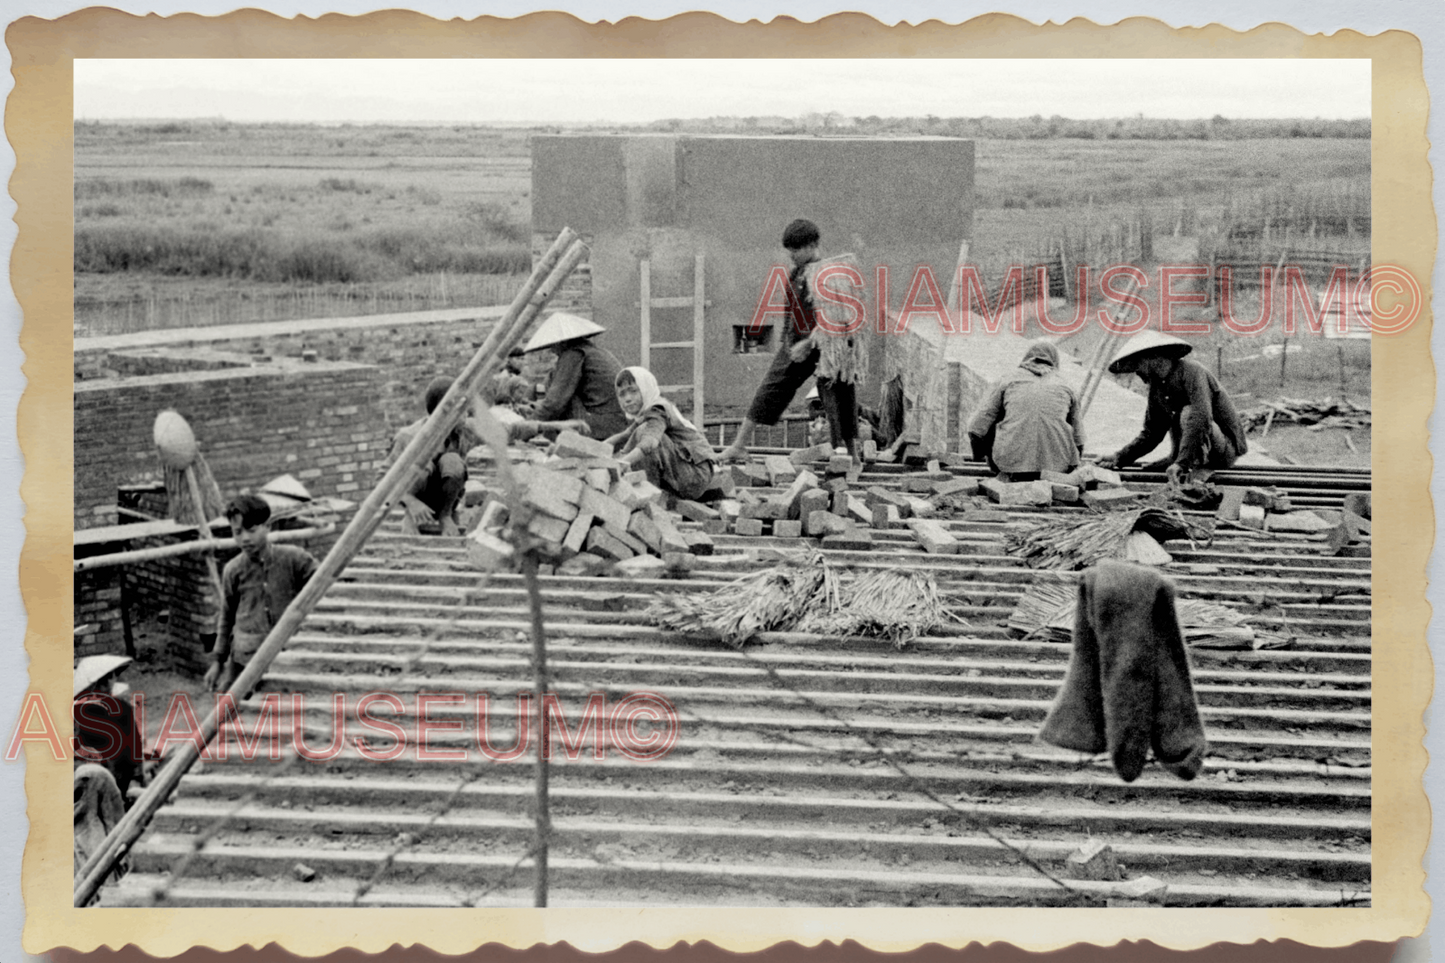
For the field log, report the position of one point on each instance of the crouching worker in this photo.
(1030, 421)
(256, 587)
(437, 490)
(1186, 403)
(675, 455)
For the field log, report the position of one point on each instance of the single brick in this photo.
(698, 543)
(1064, 494)
(570, 444)
(788, 528)
(853, 540)
(612, 512)
(644, 527)
(884, 516)
(602, 542)
(815, 500)
(1109, 499)
(577, 535)
(824, 523)
(695, 511)
(935, 539)
(780, 470)
(549, 529)
(1252, 516)
(748, 526)
(839, 464)
(489, 552)
(715, 526)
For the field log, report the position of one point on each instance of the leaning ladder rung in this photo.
(686, 302)
(674, 344)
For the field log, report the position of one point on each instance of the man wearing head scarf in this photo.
(1030, 422)
(659, 440)
(1186, 403)
(431, 501)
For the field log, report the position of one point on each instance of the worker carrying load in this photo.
(1030, 422)
(672, 451)
(806, 349)
(582, 385)
(1186, 403)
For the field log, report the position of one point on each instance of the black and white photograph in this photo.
(724, 483)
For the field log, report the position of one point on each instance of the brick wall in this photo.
(98, 613)
(321, 422)
(410, 350)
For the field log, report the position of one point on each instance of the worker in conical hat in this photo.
(106, 733)
(582, 385)
(1186, 404)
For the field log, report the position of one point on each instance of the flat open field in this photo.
(210, 222)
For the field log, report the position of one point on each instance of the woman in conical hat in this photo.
(1030, 422)
(675, 455)
(582, 384)
(1186, 405)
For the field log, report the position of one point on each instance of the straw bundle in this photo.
(840, 356)
(804, 593)
(775, 599)
(178, 493)
(1046, 612)
(885, 604)
(1070, 543)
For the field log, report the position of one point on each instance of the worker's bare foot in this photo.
(733, 455)
(450, 529)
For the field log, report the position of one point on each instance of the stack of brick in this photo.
(1269, 509)
(585, 513)
(1088, 485)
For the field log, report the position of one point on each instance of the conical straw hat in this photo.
(1150, 342)
(561, 327)
(93, 668)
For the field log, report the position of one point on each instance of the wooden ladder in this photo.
(698, 302)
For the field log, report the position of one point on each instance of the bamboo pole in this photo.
(1103, 354)
(559, 261)
(203, 528)
(539, 675)
(190, 548)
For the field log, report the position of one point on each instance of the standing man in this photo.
(1185, 402)
(797, 359)
(256, 587)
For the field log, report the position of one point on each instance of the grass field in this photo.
(209, 222)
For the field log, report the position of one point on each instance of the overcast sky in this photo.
(630, 91)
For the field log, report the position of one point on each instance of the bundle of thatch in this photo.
(840, 355)
(886, 604)
(1046, 613)
(1073, 542)
(180, 453)
(804, 593)
(775, 599)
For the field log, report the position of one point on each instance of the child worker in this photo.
(675, 455)
(256, 588)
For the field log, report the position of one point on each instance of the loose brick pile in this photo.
(586, 514)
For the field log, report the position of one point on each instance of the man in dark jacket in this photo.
(1185, 402)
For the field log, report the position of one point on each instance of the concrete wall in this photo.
(665, 198)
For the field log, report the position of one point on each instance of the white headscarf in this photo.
(652, 397)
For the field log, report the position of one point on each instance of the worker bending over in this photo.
(659, 441)
(1186, 403)
(582, 383)
(1030, 421)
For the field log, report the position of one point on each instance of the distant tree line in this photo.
(1036, 127)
